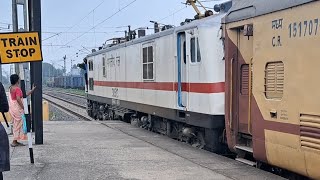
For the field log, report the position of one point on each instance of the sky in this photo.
(74, 27)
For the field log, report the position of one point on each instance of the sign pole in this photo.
(26, 110)
(0, 73)
(15, 26)
(36, 72)
(26, 47)
(19, 67)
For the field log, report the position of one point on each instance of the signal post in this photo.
(34, 10)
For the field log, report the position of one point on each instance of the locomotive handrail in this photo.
(231, 81)
(179, 70)
(250, 95)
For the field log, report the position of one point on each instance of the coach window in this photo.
(147, 63)
(195, 50)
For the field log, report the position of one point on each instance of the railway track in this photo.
(78, 99)
(63, 92)
(71, 94)
(68, 101)
(76, 109)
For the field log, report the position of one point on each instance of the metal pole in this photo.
(0, 73)
(36, 72)
(25, 15)
(14, 16)
(15, 26)
(23, 70)
(26, 110)
(65, 65)
(26, 65)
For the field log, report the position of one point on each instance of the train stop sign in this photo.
(20, 47)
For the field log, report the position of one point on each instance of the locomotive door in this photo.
(242, 73)
(182, 57)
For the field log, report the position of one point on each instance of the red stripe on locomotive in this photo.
(167, 86)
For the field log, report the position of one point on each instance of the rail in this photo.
(77, 110)
(73, 103)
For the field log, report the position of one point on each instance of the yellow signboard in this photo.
(20, 47)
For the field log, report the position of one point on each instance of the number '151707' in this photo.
(303, 28)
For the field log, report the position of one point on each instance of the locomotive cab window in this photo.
(195, 50)
(147, 63)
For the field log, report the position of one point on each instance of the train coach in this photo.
(71, 81)
(243, 80)
(272, 92)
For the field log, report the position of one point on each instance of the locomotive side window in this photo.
(91, 83)
(184, 52)
(274, 80)
(104, 67)
(90, 66)
(198, 51)
(195, 50)
(147, 54)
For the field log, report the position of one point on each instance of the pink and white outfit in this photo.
(16, 111)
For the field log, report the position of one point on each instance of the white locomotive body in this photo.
(176, 75)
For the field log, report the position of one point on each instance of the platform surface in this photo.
(116, 150)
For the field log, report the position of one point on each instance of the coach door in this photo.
(182, 61)
(242, 72)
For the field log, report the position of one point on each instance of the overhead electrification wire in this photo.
(210, 0)
(66, 27)
(77, 22)
(172, 14)
(52, 45)
(175, 12)
(71, 32)
(121, 9)
(201, 6)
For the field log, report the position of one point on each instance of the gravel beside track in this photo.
(67, 106)
(57, 114)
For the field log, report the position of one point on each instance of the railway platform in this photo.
(116, 150)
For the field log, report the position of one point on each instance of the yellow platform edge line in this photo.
(45, 116)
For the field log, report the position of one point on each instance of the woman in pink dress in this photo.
(16, 109)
